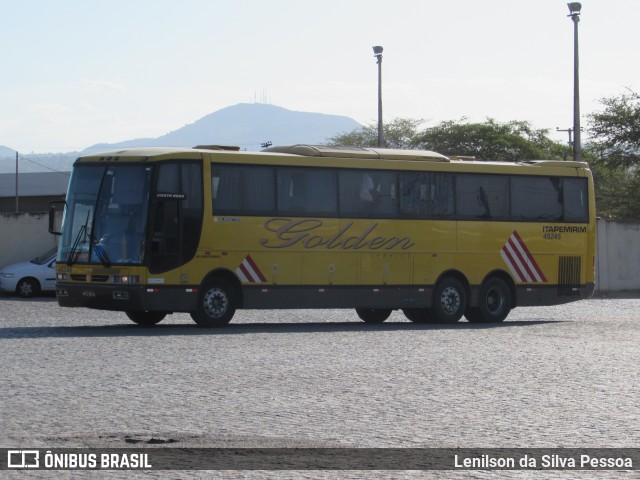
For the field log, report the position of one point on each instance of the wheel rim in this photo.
(450, 300)
(216, 302)
(494, 301)
(25, 289)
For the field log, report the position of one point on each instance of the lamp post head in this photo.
(574, 9)
(377, 52)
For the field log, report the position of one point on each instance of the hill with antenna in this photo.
(246, 125)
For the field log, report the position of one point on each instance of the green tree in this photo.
(491, 140)
(617, 190)
(511, 141)
(614, 144)
(615, 131)
(398, 133)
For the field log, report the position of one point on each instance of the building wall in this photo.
(618, 259)
(24, 236)
(28, 204)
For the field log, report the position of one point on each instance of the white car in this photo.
(27, 279)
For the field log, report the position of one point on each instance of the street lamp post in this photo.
(574, 13)
(377, 52)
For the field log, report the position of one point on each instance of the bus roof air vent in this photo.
(555, 163)
(358, 152)
(231, 148)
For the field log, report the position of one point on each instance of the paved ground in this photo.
(562, 376)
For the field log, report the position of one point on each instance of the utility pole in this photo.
(569, 130)
(574, 13)
(17, 210)
(377, 52)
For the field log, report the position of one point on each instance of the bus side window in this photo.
(483, 197)
(536, 198)
(576, 207)
(426, 195)
(368, 193)
(242, 190)
(306, 191)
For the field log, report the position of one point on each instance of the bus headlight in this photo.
(126, 279)
(62, 277)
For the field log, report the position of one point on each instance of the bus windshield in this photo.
(106, 215)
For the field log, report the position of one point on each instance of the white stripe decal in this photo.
(248, 272)
(521, 263)
(507, 260)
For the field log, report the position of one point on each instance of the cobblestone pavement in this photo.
(565, 376)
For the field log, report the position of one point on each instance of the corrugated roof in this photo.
(38, 184)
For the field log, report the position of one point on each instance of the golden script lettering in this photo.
(303, 232)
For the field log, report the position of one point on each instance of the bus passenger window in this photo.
(369, 193)
(242, 190)
(483, 197)
(426, 195)
(576, 207)
(536, 198)
(306, 191)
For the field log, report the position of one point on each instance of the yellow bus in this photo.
(210, 230)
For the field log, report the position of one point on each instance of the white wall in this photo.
(618, 257)
(24, 236)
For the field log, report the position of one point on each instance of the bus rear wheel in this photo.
(373, 315)
(216, 304)
(494, 304)
(418, 315)
(450, 301)
(146, 319)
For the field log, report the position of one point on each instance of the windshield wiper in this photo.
(76, 243)
(101, 253)
(93, 243)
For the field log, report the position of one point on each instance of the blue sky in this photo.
(76, 73)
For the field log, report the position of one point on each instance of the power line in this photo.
(22, 157)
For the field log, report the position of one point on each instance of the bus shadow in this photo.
(130, 330)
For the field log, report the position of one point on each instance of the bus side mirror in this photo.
(56, 209)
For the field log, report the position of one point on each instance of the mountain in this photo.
(246, 125)
(7, 152)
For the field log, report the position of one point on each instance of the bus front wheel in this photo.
(373, 315)
(146, 318)
(216, 305)
(450, 301)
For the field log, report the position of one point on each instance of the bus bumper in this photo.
(127, 298)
